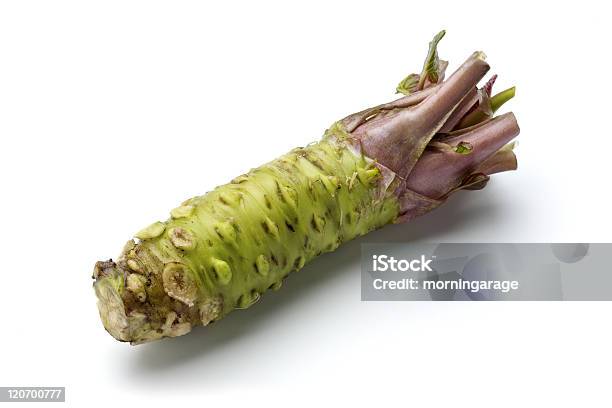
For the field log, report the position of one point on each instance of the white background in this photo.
(112, 113)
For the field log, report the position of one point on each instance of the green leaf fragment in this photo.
(486, 107)
(502, 97)
(463, 148)
(408, 85)
(431, 67)
(432, 70)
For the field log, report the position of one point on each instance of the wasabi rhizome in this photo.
(386, 164)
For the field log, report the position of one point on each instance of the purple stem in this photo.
(464, 107)
(439, 171)
(398, 139)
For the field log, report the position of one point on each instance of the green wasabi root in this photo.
(386, 164)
